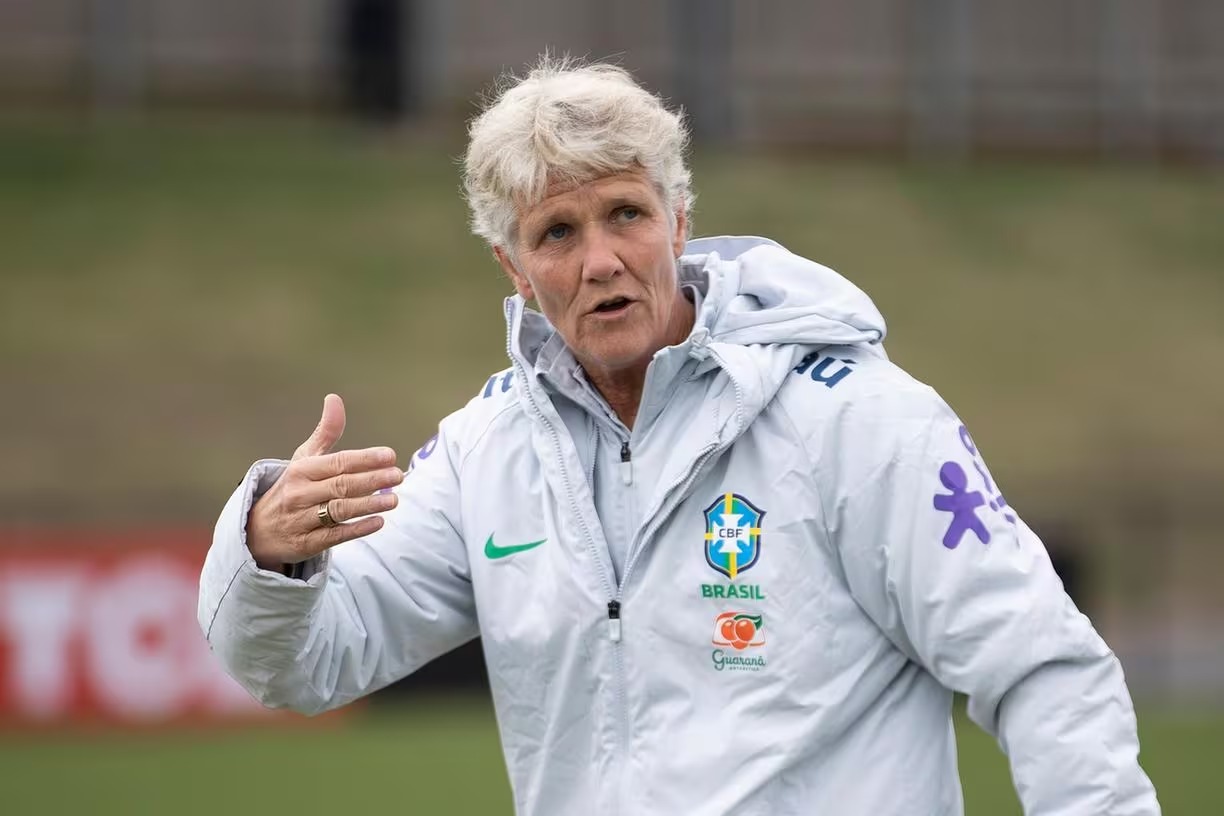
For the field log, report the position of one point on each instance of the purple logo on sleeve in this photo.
(962, 503)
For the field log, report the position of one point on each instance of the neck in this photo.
(622, 387)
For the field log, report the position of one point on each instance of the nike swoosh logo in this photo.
(493, 552)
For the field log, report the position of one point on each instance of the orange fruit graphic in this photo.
(727, 630)
(738, 630)
(745, 630)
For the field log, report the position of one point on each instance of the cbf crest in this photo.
(733, 534)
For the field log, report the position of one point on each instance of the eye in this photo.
(628, 213)
(556, 232)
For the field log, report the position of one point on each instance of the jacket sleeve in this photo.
(369, 612)
(959, 583)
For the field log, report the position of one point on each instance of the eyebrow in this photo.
(541, 220)
(628, 200)
(565, 212)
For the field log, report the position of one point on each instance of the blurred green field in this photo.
(436, 757)
(176, 297)
(186, 292)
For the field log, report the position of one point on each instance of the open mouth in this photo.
(613, 305)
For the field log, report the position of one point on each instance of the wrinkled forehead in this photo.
(566, 191)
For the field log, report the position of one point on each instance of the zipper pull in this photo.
(614, 621)
(626, 464)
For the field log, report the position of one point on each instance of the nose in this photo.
(600, 261)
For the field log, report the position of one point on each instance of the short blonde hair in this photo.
(572, 122)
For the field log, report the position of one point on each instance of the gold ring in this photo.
(325, 516)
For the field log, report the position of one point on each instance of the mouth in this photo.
(612, 306)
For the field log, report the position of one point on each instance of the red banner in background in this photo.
(101, 628)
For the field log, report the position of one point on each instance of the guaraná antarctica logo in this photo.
(739, 631)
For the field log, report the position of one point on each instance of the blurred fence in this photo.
(1137, 77)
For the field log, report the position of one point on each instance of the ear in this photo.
(521, 284)
(681, 236)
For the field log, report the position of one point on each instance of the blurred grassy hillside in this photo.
(440, 756)
(176, 298)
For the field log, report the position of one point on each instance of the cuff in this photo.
(259, 480)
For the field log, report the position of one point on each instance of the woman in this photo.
(722, 554)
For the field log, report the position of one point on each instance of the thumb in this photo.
(327, 432)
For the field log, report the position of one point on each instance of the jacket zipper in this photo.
(595, 442)
(668, 501)
(614, 621)
(626, 467)
(613, 593)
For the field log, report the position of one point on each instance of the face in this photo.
(600, 260)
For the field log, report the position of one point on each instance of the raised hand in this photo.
(310, 507)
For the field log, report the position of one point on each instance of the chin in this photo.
(618, 359)
(624, 348)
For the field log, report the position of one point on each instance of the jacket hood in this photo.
(757, 292)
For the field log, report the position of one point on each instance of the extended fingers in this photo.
(352, 485)
(331, 465)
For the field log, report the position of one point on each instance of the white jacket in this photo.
(757, 602)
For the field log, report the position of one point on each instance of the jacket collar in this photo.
(542, 351)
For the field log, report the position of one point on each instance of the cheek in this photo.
(554, 295)
(662, 276)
